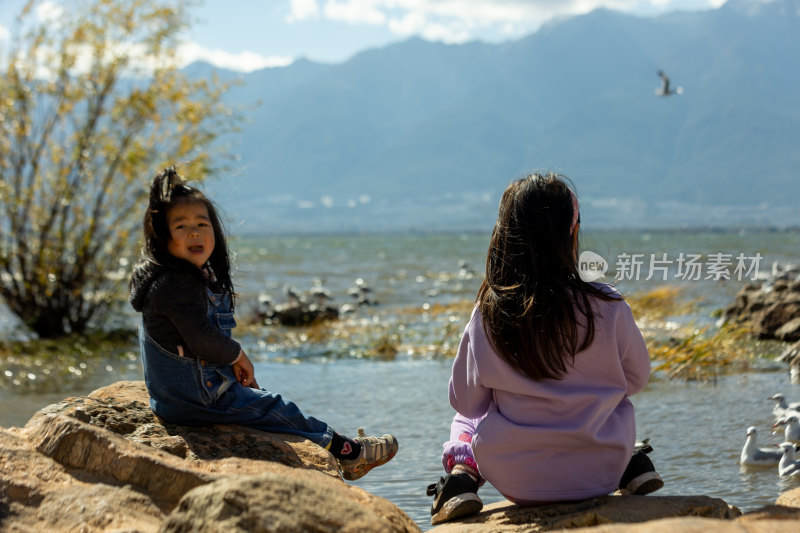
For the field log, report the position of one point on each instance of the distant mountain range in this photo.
(425, 136)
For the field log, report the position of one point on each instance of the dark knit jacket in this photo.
(174, 304)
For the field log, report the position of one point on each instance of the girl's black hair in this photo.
(533, 286)
(167, 190)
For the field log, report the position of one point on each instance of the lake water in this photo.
(697, 429)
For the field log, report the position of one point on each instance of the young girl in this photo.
(195, 372)
(544, 371)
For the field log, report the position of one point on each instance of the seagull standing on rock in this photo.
(752, 455)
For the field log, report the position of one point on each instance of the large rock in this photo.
(271, 503)
(696, 525)
(634, 514)
(39, 494)
(105, 462)
(771, 308)
(507, 517)
(790, 499)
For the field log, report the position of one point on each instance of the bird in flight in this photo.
(665, 89)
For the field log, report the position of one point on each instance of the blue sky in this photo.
(246, 35)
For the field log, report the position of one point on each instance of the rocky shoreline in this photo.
(105, 462)
(771, 307)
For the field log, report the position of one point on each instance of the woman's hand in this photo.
(243, 370)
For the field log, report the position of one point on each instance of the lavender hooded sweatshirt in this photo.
(554, 440)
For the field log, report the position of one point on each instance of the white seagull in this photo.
(791, 431)
(753, 455)
(788, 466)
(781, 407)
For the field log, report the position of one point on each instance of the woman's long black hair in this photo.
(167, 190)
(533, 288)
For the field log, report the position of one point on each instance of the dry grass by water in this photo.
(684, 350)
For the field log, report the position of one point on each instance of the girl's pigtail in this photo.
(163, 186)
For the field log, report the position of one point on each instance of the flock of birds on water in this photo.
(302, 308)
(787, 420)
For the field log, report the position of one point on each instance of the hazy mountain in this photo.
(426, 136)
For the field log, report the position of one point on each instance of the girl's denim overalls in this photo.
(189, 391)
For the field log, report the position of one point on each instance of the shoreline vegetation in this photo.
(694, 352)
(62, 364)
(679, 349)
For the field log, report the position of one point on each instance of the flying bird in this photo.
(665, 89)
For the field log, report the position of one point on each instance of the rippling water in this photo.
(697, 429)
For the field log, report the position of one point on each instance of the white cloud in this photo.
(408, 24)
(449, 21)
(683, 4)
(462, 20)
(455, 21)
(241, 62)
(303, 10)
(358, 11)
(446, 33)
(141, 63)
(491, 11)
(45, 62)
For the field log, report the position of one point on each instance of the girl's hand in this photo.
(243, 370)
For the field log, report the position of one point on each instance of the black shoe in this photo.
(455, 496)
(640, 477)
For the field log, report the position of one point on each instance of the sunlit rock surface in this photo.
(506, 516)
(105, 462)
(771, 307)
(634, 514)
